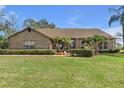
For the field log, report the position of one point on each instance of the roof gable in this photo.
(28, 28)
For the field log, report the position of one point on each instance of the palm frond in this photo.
(121, 8)
(113, 18)
(122, 18)
(113, 10)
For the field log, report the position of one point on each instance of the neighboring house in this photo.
(43, 38)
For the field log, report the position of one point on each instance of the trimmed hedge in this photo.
(109, 51)
(82, 52)
(26, 52)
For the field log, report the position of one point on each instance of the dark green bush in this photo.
(82, 52)
(26, 52)
(109, 50)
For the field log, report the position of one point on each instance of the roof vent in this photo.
(29, 29)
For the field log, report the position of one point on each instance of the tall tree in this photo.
(43, 23)
(31, 23)
(2, 14)
(3, 42)
(118, 16)
(8, 24)
(51, 25)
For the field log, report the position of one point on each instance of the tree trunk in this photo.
(57, 47)
(96, 47)
(123, 34)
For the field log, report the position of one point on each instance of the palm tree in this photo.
(88, 42)
(66, 42)
(118, 36)
(57, 40)
(118, 16)
(96, 40)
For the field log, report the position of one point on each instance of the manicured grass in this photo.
(122, 50)
(60, 71)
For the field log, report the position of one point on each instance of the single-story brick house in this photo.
(42, 38)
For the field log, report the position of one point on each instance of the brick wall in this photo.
(41, 41)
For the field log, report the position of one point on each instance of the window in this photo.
(29, 44)
(101, 45)
(83, 43)
(73, 43)
(105, 45)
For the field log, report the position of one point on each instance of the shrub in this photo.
(82, 52)
(26, 52)
(109, 50)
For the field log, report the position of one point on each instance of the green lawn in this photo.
(122, 50)
(60, 71)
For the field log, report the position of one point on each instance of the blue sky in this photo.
(65, 16)
(71, 16)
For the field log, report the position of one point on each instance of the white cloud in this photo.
(93, 26)
(73, 21)
(113, 30)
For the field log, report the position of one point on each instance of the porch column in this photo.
(77, 43)
(114, 43)
(108, 44)
(102, 45)
(50, 46)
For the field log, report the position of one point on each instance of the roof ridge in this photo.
(68, 28)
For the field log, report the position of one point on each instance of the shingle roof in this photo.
(73, 33)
